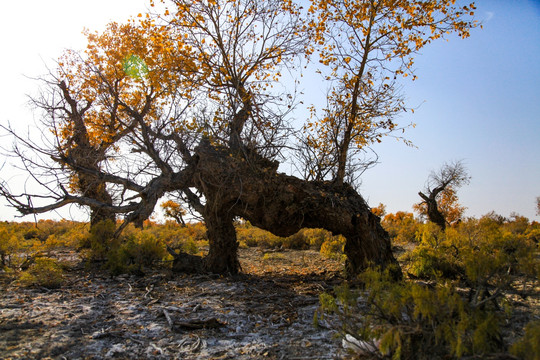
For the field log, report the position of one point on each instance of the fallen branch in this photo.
(148, 290)
(211, 323)
(168, 317)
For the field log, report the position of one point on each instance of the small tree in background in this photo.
(439, 199)
(379, 210)
(447, 203)
(174, 210)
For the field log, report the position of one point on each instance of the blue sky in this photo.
(478, 100)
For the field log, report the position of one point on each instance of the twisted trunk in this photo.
(250, 187)
(91, 186)
(433, 212)
(98, 214)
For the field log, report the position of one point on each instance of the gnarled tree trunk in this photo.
(284, 204)
(222, 257)
(433, 212)
(97, 215)
(250, 187)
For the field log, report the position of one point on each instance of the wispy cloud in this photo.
(489, 16)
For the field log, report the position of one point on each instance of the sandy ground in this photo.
(265, 313)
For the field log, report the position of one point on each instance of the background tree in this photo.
(365, 46)
(192, 102)
(447, 203)
(439, 199)
(174, 210)
(379, 210)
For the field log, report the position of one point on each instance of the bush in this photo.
(482, 255)
(298, 241)
(333, 247)
(533, 233)
(130, 252)
(134, 253)
(316, 237)
(528, 347)
(252, 236)
(273, 256)
(43, 272)
(189, 246)
(100, 241)
(406, 320)
(71, 237)
(434, 257)
(401, 226)
(460, 313)
(10, 246)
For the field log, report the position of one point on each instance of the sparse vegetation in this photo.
(528, 347)
(45, 272)
(457, 300)
(461, 287)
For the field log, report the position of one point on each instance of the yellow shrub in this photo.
(190, 246)
(136, 252)
(10, 246)
(406, 320)
(316, 237)
(333, 247)
(273, 256)
(401, 226)
(482, 255)
(528, 347)
(474, 264)
(44, 272)
(100, 241)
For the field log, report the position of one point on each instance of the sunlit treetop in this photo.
(241, 48)
(126, 70)
(371, 33)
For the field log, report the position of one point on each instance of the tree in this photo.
(440, 205)
(538, 205)
(190, 103)
(174, 210)
(379, 210)
(447, 203)
(366, 45)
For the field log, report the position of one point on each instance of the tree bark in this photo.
(97, 215)
(222, 257)
(433, 212)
